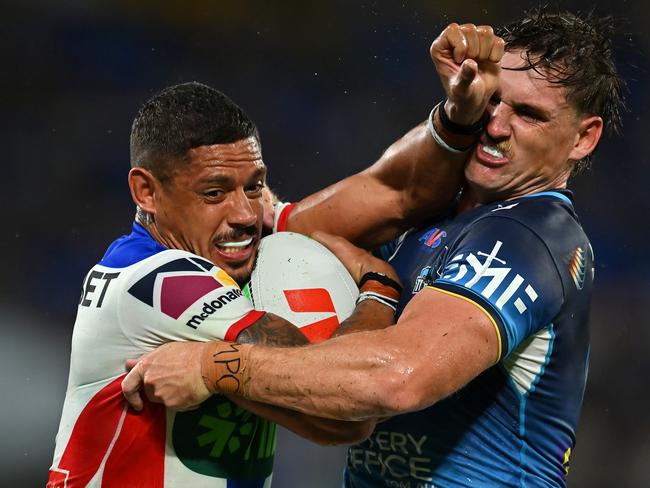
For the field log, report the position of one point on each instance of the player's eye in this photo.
(213, 193)
(255, 190)
(530, 116)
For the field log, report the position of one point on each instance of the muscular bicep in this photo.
(413, 180)
(272, 330)
(360, 208)
(450, 339)
(440, 343)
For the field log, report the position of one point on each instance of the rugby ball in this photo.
(300, 280)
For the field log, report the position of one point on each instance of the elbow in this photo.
(405, 391)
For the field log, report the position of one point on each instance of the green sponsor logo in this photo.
(223, 440)
(247, 292)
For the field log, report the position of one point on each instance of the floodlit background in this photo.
(330, 85)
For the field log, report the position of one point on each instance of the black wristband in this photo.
(465, 130)
(381, 278)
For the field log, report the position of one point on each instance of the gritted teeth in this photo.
(493, 151)
(235, 244)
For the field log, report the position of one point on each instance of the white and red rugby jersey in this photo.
(142, 295)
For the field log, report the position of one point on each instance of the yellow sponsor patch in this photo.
(225, 279)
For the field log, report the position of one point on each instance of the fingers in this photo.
(468, 41)
(344, 250)
(473, 47)
(131, 385)
(338, 245)
(498, 48)
(333, 243)
(130, 364)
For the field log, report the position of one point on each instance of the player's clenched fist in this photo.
(467, 60)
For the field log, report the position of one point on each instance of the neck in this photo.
(470, 198)
(157, 235)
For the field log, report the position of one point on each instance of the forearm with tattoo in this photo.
(223, 367)
(224, 364)
(271, 330)
(224, 370)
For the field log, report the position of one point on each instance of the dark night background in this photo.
(330, 85)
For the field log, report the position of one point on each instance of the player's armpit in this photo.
(271, 330)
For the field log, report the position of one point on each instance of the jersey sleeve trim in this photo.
(483, 306)
(283, 216)
(246, 321)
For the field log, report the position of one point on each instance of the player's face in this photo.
(530, 142)
(212, 205)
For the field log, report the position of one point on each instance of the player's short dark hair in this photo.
(575, 52)
(182, 117)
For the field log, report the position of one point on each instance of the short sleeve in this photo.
(282, 210)
(178, 296)
(506, 269)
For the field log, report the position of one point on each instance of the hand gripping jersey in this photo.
(138, 297)
(528, 264)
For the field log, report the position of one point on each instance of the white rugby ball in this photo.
(300, 280)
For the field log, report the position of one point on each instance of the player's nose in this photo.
(498, 126)
(241, 212)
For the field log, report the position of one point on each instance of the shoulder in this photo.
(546, 212)
(549, 216)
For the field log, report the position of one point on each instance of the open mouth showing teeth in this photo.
(493, 151)
(234, 246)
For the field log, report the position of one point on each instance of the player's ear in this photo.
(143, 186)
(589, 131)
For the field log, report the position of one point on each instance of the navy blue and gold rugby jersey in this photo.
(529, 265)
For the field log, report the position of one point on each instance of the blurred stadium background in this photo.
(330, 85)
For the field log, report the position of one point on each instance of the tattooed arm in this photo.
(272, 330)
(276, 331)
(169, 375)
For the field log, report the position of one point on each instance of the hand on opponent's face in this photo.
(467, 61)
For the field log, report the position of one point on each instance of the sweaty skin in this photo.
(412, 181)
(211, 205)
(441, 341)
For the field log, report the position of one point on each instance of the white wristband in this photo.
(370, 295)
(436, 136)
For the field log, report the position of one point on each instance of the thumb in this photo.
(131, 385)
(468, 71)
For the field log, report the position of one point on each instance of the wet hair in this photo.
(180, 118)
(576, 53)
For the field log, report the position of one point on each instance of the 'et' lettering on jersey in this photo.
(142, 295)
(529, 265)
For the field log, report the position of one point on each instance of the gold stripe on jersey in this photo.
(492, 321)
